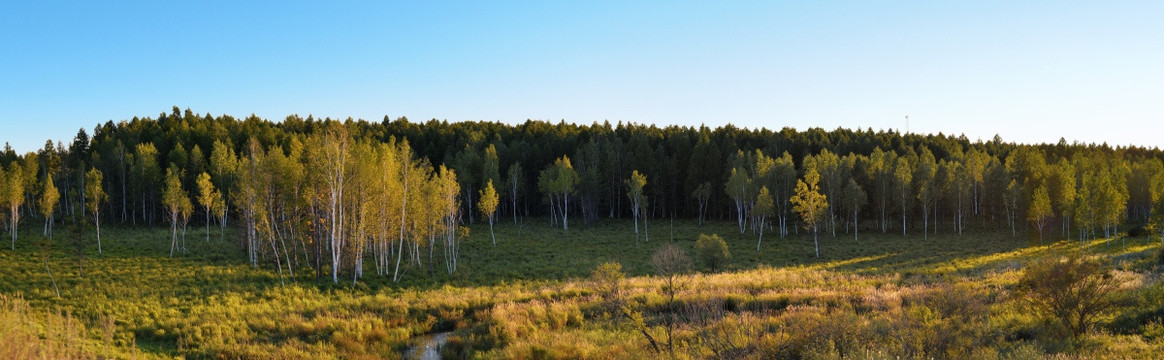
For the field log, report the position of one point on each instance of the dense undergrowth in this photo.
(530, 296)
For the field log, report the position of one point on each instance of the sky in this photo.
(1031, 72)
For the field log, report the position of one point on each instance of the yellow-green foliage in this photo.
(712, 251)
(950, 297)
(27, 334)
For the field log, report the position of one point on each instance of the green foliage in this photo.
(713, 251)
(1073, 291)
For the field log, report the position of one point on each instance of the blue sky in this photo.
(1029, 71)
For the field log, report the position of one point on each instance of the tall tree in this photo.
(207, 197)
(1039, 212)
(763, 210)
(174, 199)
(923, 180)
(95, 195)
(855, 198)
(810, 204)
(879, 169)
(903, 180)
(487, 205)
(514, 184)
(737, 188)
(14, 198)
(224, 168)
(634, 192)
(702, 194)
(48, 203)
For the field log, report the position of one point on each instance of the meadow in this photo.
(533, 296)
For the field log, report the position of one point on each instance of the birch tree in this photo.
(702, 194)
(94, 196)
(48, 203)
(1039, 212)
(810, 204)
(763, 210)
(14, 198)
(855, 198)
(174, 198)
(487, 205)
(634, 192)
(207, 197)
(737, 188)
(923, 180)
(513, 183)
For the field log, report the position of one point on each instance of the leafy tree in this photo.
(1062, 192)
(48, 203)
(14, 198)
(175, 200)
(879, 169)
(712, 250)
(854, 199)
(670, 262)
(558, 182)
(513, 183)
(763, 210)
(208, 197)
(487, 205)
(1039, 212)
(810, 204)
(224, 167)
(902, 180)
(923, 179)
(95, 196)
(634, 192)
(146, 173)
(702, 194)
(1073, 291)
(737, 188)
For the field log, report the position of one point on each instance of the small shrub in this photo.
(1073, 291)
(712, 251)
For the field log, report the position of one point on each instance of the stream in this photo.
(428, 347)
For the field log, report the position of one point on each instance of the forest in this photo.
(358, 206)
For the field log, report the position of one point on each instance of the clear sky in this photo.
(1029, 71)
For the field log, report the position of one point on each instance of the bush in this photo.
(1072, 291)
(712, 251)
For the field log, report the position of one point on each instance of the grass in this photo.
(528, 297)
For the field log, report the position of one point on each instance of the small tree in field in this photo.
(95, 195)
(487, 205)
(670, 262)
(607, 280)
(712, 251)
(810, 204)
(1073, 291)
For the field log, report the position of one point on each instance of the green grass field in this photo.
(527, 297)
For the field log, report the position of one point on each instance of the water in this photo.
(428, 347)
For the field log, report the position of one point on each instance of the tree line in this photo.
(329, 194)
